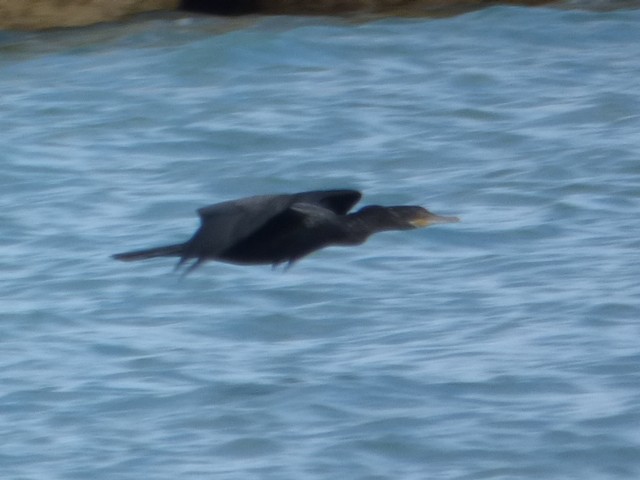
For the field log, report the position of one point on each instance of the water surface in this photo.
(502, 347)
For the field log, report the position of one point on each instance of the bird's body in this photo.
(275, 229)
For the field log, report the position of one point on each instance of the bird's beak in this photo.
(432, 219)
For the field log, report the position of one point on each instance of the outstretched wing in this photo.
(297, 231)
(227, 224)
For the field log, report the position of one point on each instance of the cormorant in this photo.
(276, 229)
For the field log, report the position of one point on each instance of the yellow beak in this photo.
(432, 219)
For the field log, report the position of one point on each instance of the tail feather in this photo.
(176, 250)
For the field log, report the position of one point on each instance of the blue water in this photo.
(503, 347)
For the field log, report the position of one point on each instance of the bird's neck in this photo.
(360, 226)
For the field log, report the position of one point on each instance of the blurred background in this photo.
(502, 347)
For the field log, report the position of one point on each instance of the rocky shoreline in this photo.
(44, 14)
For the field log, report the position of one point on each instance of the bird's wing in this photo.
(338, 201)
(225, 224)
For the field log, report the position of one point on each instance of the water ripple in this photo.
(501, 347)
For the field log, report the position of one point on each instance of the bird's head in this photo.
(403, 217)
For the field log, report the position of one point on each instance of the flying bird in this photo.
(277, 229)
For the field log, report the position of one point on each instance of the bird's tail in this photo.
(176, 250)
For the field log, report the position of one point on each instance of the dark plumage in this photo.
(275, 229)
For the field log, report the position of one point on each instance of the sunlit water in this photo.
(506, 346)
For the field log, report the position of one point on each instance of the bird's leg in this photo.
(192, 267)
(180, 263)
